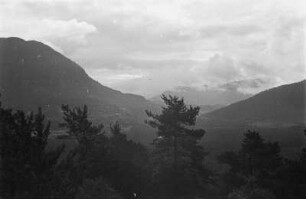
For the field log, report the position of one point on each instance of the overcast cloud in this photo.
(147, 46)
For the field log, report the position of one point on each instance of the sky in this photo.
(149, 46)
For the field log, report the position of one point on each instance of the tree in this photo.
(79, 126)
(178, 158)
(255, 165)
(292, 178)
(27, 168)
(247, 192)
(74, 169)
(118, 161)
(121, 162)
(96, 189)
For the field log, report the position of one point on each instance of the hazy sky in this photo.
(147, 46)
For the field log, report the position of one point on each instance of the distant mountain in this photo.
(209, 108)
(33, 74)
(208, 96)
(281, 106)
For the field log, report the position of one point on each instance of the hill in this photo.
(33, 74)
(278, 114)
(279, 106)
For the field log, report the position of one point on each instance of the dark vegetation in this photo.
(108, 165)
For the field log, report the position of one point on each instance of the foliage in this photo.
(178, 158)
(27, 168)
(257, 161)
(254, 165)
(115, 159)
(96, 189)
(79, 126)
(246, 192)
(291, 178)
(123, 163)
(74, 168)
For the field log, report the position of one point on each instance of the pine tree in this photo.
(27, 168)
(97, 189)
(75, 166)
(178, 158)
(122, 163)
(292, 177)
(255, 165)
(79, 126)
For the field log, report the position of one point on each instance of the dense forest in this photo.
(103, 164)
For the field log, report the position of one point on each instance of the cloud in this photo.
(62, 34)
(239, 30)
(147, 46)
(71, 32)
(247, 85)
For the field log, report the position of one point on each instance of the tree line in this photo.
(103, 166)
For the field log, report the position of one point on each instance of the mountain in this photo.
(278, 114)
(219, 96)
(33, 74)
(279, 106)
(209, 108)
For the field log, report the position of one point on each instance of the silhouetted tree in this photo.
(74, 167)
(291, 178)
(178, 158)
(121, 162)
(27, 168)
(79, 126)
(249, 192)
(96, 189)
(255, 165)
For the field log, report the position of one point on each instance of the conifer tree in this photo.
(81, 128)
(254, 165)
(27, 168)
(178, 158)
(125, 164)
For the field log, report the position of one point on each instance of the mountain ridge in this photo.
(282, 105)
(32, 74)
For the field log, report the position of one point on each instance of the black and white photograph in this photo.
(152, 99)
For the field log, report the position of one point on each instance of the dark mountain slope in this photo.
(33, 74)
(283, 105)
